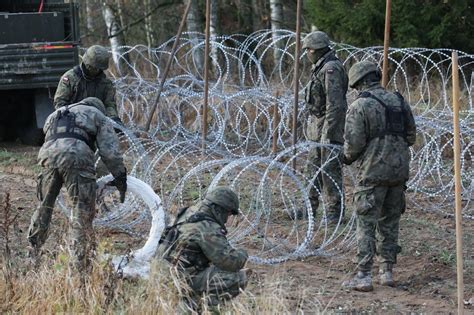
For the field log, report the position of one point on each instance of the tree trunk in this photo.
(276, 9)
(89, 19)
(248, 17)
(116, 38)
(148, 24)
(214, 31)
(194, 23)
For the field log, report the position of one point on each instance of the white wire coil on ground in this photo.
(137, 263)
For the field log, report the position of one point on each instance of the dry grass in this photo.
(53, 287)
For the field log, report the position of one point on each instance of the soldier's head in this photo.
(316, 45)
(94, 102)
(226, 200)
(364, 73)
(96, 59)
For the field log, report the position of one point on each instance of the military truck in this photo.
(38, 42)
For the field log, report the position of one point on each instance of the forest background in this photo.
(415, 23)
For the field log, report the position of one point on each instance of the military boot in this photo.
(362, 281)
(386, 275)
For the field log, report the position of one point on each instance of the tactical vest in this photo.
(81, 89)
(169, 238)
(394, 117)
(64, 125)
(317, 103)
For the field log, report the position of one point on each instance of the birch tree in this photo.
(214, 31)
(115, 37)
(194, 23)
(276, 10)
(89, 18)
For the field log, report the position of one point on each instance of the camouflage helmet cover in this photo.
(97, 56)
(316, 40)
(225, 198)
(360, 70)
(94, 102)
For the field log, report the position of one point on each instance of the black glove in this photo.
(343, 158)
(121, 183)
(120, 123)
(117, 120)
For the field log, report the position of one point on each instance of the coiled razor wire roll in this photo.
(249, 94)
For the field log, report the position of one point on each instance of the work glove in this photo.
(120, 123)
(343, 158)
(117, 120)
(121, 183)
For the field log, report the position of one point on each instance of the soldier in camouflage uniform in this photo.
(379, 130)
(88, 80)
(197, 245)
(73, 132)
(326, 105)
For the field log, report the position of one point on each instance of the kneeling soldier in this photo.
(197, 245)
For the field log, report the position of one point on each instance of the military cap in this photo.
(94, 102)
(360, 70)
(316, 40)
(97, 56)
(225, 198)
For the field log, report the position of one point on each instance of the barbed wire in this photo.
(249, 96)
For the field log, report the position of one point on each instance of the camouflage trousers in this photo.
(378, 218)
(81, 187)
(324, 166)
(217, 284)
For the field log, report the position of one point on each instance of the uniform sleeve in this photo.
(108, 145)
(335, 102)
(217, 249)
(109, 101)
(354, 133)
(63, 93)
(410, 126)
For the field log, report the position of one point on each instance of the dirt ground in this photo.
(425, 273)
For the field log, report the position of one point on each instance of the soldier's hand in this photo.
(119, 122)
(121, 183)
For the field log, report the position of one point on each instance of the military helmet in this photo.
(316, 40)
(360, 70)
(224, 197)
(94, 102)
(97, 57)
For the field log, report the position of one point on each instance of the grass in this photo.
(60, 290)
(25, 160)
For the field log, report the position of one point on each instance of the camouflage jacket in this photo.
(381, 159)
(326, 100)
(73, 153)
(200, 244)
(74, 87)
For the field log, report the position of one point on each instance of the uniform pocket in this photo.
(403, 201)
(364, 200)
(39, 187)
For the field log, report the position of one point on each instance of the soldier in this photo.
(88, 80)
(73, 132)
(379, 130)
(197, 245)
(326, 104)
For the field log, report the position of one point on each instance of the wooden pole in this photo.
(386, 43)
(168, 65)
(275, 123)
(206, 76)
(296, 79)
(457, 183)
